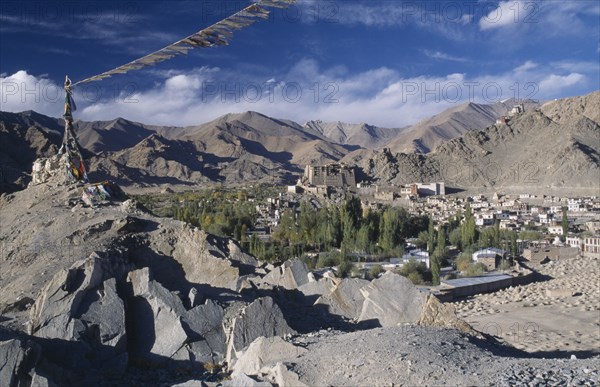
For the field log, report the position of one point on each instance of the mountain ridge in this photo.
(241, 148)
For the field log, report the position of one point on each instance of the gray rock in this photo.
(17, 358)
(81, 305)
(194, 297)
(291, 275)
(204, 326)
(266, 352)
(241, 380)
(157, 328)
(346, 299)
(190, 383)
(438, 314)
(318, 288)
(203, 262)
(261, 318)
(282, 377)
(392, 299)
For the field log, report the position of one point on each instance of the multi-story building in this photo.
(591, 247)
(332, 175)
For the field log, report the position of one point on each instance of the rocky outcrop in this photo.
(261, 318)
(163, 330)
(266, 352)
(242, 380)
(346, 299)
(81, 304)
(437, 314)
(313, 290)
(390, 300)
(218, 263)
(281, 376)
(156, 324)
(291, 275)
(204, 326)
(17, 358)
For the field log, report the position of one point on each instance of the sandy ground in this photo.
(561, 314)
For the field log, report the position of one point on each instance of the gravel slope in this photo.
(413, 355)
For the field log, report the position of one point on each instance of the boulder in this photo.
(204, 326)
(291, 275)
(81, 305)
(438, 314)
(346, 299)
(281, 376)
(312, 290)
(241, 380)
(260, 318)
(266, 352)
(202, 261)
(163, 330)
(391, 300)
(17, 359)
(156, 325)
(104, 310)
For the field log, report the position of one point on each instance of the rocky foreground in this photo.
(110, 295)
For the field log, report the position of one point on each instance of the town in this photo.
(507, 229)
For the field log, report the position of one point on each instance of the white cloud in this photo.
(506, 14)
(380, 96)
(529, 65)
(22, 91)
(554, 18)
(555, 83)
(443, 56)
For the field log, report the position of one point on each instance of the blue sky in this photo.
(388, 63)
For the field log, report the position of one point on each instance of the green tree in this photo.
(468, 230)
(344, 268)
(565, 222)
(422, 240)
(455, 237)
(363, 241)
(514, 246)
(463, 262)
(391, 229)
(414, 271)
(438, 255)
(431, 237)
(375, 271)
(307, 224)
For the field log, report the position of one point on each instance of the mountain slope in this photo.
(533, 152)
(556, 146)
(426, 135)
(364, 135)
(23, 138)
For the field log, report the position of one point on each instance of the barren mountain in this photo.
(558, 144)
(533, 152)
(363, 135)
(235, 148)
(426, 135)
(23, 138)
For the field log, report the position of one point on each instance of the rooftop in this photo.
(470, 281)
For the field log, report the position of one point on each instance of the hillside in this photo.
(428, 134)
(557, 143)
(532, 152)
(363, 135)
